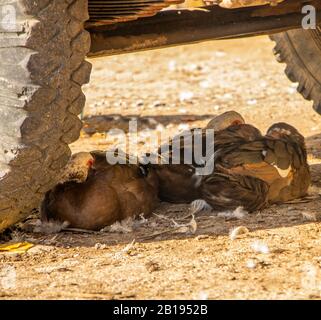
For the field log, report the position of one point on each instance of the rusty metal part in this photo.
(174, 27)
(231, 4)
(114, 11)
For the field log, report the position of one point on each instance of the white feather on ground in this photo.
(199, 205)
(49, 227)
(251, 264)
(124, 226)
(127, 225)
(202, 295)
(234, 233)
(190, 227)
(126, 250)
(260, 247)
(238, 213)
(100, 246)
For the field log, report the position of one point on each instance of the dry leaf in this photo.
(19, 247)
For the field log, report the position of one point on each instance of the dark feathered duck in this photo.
(250, 170)
(263, 169)
(291, 160)
(109, 193)
(178, 181)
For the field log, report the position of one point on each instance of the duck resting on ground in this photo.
(104, 194)
(254, 171)
(178, 181)
(250, 170)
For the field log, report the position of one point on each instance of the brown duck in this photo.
(108, 194)
(178, 181)
(253, 171)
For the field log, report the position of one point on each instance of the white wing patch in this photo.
(283, 172)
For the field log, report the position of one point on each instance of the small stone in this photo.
(99, 246)
(152, 266)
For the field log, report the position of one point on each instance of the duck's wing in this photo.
(290, 160)
(227, 192)
(279, 162)
(175, 165)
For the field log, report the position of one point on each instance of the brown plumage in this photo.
(110, 193)
(250, 170)
(178, 181)
(277, 160)
(227, 192)
(290, 148)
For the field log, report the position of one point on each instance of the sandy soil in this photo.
(170, 90)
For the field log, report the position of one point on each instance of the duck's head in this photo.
(282, 129)
(82, 160)
(225, 120)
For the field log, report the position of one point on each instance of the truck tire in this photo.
(301, 51)
(42, 67)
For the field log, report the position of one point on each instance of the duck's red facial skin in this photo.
(90, 163)
(236, 123)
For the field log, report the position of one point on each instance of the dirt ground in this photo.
(171, 90)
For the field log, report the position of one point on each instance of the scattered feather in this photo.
(172, 65)
(260, 247)
(251, 264)
(193, 225)
(202, 237)
(238, 213)
(161, 216)
(202, 295)
(183, 127)
(190, 227)
(160, 127)
(142, 218)
(252, 102)
(186, 95)
(49, 227)
(205, 84)
(100, 246)
(152, 121)
(238, 231)
(225, 96)
(220, 54)
(130, 246)
(291, 90)
(124, 226)
(125, 250)
(199, 205)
